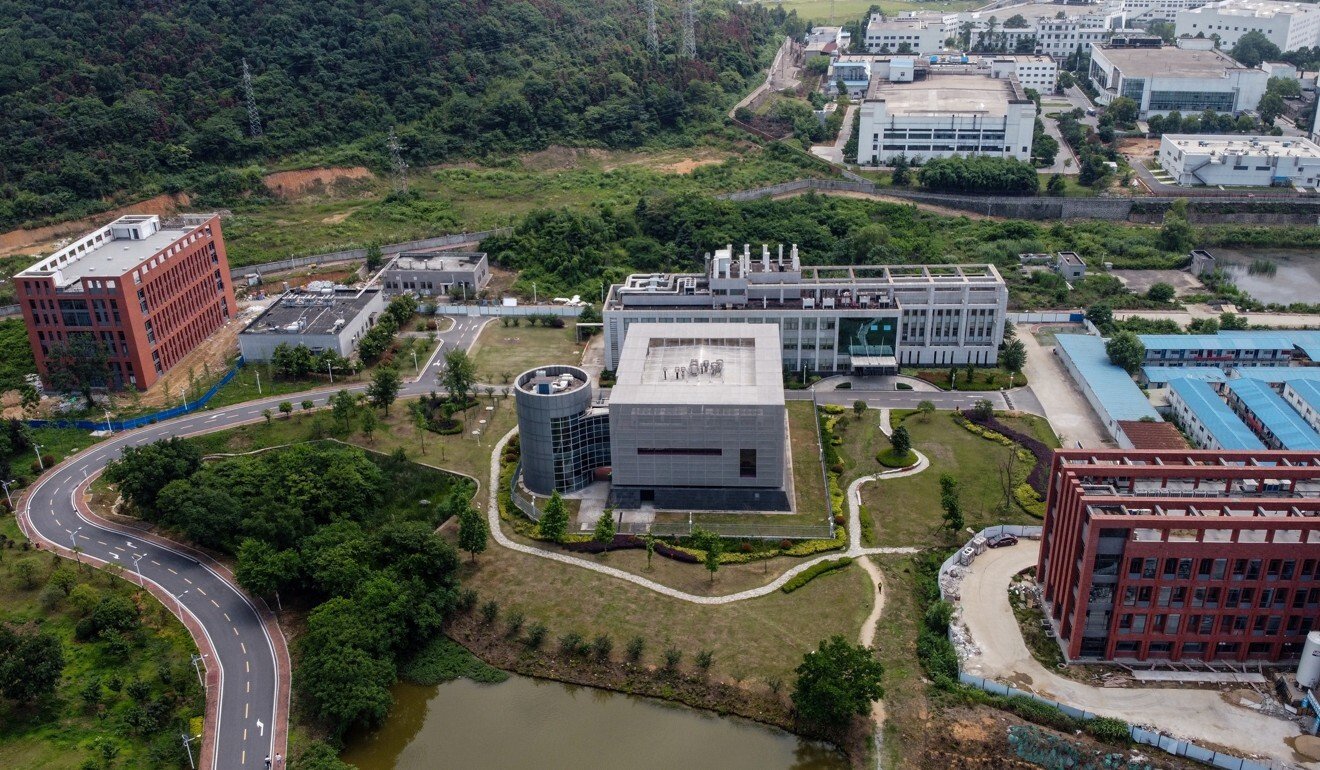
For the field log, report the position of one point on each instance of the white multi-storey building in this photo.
(920, 112)
(919, 31)
(1161, 80)
(1057, 29)
(1157, 10)
(1230, 160)
(861, 319)
(1062, 38)
(1288, 25)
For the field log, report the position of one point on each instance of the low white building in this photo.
(913, 111)
(919, 31)
(1032, 71)
(1235, 161)
(1166, 78)
(1062, 38)
(1288, 25)
(853, 71)
(826, 41)
(1157, 10)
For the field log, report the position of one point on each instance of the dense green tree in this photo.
(1161, 292)
(604, 531)
(900, 441)
(1253, 48)
(142, 472)
(1056, 185)
(1125, 350)
(473, 531)
(951, 502)
(459, 376)
(384, 388)
(342, 406)
(836, 682)
(263, 570)
(206, 514)
(1014, 356)
(1100, 314)
(293, 361)
(1271, 107)
(554, 519)
(78, 364)
(1123, 109)
(31, 662)
(980, 174)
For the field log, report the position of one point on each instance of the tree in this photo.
(1161, 292)
(308, 404)
(1124, 109)
(31, 662)
(206, 513)
(142, 472)
(369, 423)
(342, 406)
(1253, 48)
(286, 408)
(1056, 185)
(859, 407)
(1125, 350)
(384, 388)
(1016, 21)
(459, 377)
(78, 365)
(420, 422)
(554, 519)
(836, 682)
(983, 409)
(926, 408)
(1101, 315)
(1271, 107)
(1006, 470)
(1284, 87)
(900, 441)
(951, 502)
(604, 532)
(268, 414)
(473, 531)
(374, 257)
(1232, 322)
(1014, 356)
(713, 546)
(649, 540)
(262, 569)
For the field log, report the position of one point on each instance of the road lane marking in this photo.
(227, 617)
(119, 548)
(84, 537)
(171, 569)
(186, 580)
(153, 561)
(245, 710)
(216, 603)
(101, 542)
(249, 687)
(243, 760)
(200, 591)
(247, 667)
(244, 733)
(57, 521)
(244, 646)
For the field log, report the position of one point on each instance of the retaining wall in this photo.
(352, 255)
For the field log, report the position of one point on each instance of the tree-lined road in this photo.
(247, 663)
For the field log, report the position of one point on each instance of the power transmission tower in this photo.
(690, 29)
(652, 35)
(400, 166)
(254, 120)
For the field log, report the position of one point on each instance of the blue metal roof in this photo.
(1227, 428)
(1307, 340)
(1309, 391)
(1221, 341)
(1277, 374)
(1165, 374)
(1112, 386)
(1275, 414)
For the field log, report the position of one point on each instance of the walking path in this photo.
(833, 152)
(854, 549)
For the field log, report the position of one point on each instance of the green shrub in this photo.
(443, 660)
(1029, 500)
(814, 571)
(813, 547)
(1109, 730)
(889, 459)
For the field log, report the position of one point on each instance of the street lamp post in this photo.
(187, 744)
(178, 602)
(136, 566)
(73, 544)
(195, 660)
(416, 370)
(37, 448)
(109, 428)
(183, 391)
(533, 292)
(330, 370)
(259, 382)
(6, 484)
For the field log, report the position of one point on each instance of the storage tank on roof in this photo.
(1308, 669)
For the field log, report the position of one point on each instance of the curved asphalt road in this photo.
(243, 662)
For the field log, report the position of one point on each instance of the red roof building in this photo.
(1182, 555)
(148, 291)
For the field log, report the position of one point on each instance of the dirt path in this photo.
(867, 638)
(941, 210)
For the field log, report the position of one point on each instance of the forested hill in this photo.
(99, 97)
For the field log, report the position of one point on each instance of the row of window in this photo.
(1215, 569)
(1204, 625)
(1178, 597)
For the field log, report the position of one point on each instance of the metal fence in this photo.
(517, 311)
(353, 255)
(1047, 317)
(1168, 744)
(147, 419)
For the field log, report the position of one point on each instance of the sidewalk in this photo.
(1202, 716)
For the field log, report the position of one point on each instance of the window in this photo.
(697, 451)
(747, 463)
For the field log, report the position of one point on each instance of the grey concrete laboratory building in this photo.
(695, 421)
(328, 320)
(851, 319)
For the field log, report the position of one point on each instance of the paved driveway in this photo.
(1201, 716)
(1069, 414)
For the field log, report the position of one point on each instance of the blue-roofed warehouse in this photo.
(1277, 374)
(1161, 376)
(1304, 396)
(1239, 348)
(1265, 412)
(1108, 389)
(1205, 417)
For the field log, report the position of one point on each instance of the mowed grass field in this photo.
(504, 352)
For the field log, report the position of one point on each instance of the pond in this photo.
(1291, 275)
(527, 722)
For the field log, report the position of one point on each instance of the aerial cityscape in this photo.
(733, 384)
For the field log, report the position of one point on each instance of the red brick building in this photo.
(149, 291)
(1182, 555)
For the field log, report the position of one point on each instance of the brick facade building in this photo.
(1182, 555)
(148, 291)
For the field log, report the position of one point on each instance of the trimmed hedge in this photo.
(814, 571)
(1029, 500)
(888, 459)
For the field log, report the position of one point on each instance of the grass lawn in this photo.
(982, 379)
(504, 352)
(60, 442)
(63, 731)
(862, 440)
(907, 510)
(462, 453)
(762, 638)
(906, 705)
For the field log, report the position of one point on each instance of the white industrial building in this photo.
(1157, 10)
(855, 72)
(1288, 25)
(1234, 161)
(1166, 78)
(920, 31)
(1057, 29)
(856, 319)
(919, 111)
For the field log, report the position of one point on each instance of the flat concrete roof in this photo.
(1169, 62)
(1259, 9)
(113, 256)
(944, 94)
(308, 313)
(442, 260)
(735, 364)
(1204, 144)
(1033, 11)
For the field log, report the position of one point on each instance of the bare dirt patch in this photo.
(291, 185)
(1138, 146)
(1140, 281)
(557, 157)
(42, 239)
(335, 219)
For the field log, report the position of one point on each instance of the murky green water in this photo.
(531, 723)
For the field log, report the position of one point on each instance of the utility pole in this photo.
(690, 29)
(652, 34)
(254, 120)
(400, 166)
(6, 484)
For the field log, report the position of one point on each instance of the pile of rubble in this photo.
(950, 580)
